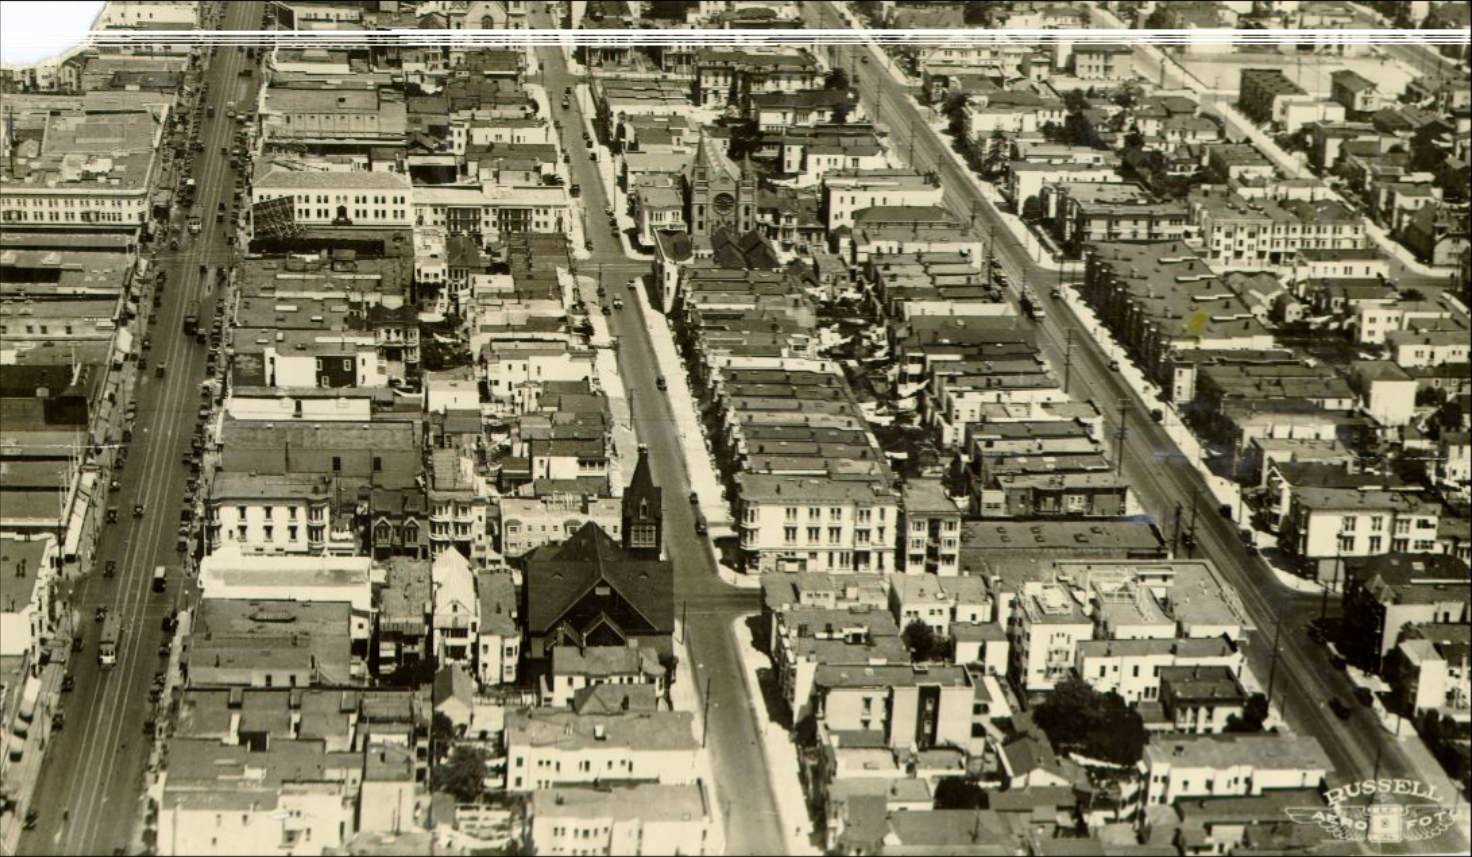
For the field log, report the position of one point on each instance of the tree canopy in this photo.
(1077, 718)
(463, 775)
(924, 644)
(837, 78)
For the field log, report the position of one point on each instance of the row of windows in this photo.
(72, 202)
(69, 217)
(44, 329)
(835, 535)
(835, 513)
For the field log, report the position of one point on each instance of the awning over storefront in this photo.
(123, 346)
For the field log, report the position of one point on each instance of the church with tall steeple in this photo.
(719, 193)
(643, 512)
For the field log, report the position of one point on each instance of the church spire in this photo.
(643, 511)
(700, 166)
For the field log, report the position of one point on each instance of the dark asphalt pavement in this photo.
(94, 769)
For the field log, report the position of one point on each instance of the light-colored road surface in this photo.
(739, 762)
(1304, 681)
(94, 769)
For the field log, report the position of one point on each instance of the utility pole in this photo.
(1124, 411)
(1191, 532)
(1273, 664)
(1068, 361)
(1175, 539)
(705, 716)
(1324, 601)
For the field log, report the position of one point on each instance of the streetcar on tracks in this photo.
(107, 644)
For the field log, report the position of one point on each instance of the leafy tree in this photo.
(1253, 716)
(442, 728)
(924, 644)
(669, 10)
(959, 793)
(464, 774)
(977, 14)
(954, 109)
(745, 138)
(837, 78)
(1449, 418)
(1412, 295)
(1075, 100)
(1077, 718)
(1430, 397)
(670, 662)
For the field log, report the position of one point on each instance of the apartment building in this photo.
(499, 648)
(90, 170)
(1160, 297)
(547, 748)
(1133, 668)
(1385, 594)
(726, 77)
(1176, 768)
(1263, 233)
(911, 705)
(635, 819)
(1101, 61)
(319, 197)
(490, 209)
(804, 639)
(285, 513)
(940, 602)
(1413, 349)
(930, 529)
(1326, 525)
(1262, 93)
(793, 523)
(1044, 626)
(845, 192)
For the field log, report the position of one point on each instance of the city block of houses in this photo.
(425, 527)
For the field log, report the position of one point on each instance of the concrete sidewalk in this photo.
(780, 748)
(683, 697)
(699, 463)
(990, 196)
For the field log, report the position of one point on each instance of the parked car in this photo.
(1365, 696)
(660, 383)
(137, 510)
(1340, 710)
(1113, 365)
(700, 526)
(694, 498)
(1157, 414)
